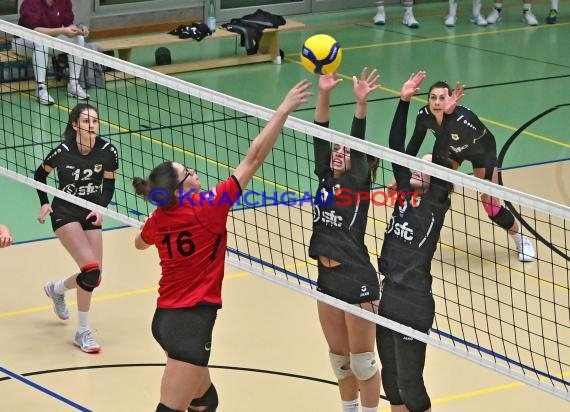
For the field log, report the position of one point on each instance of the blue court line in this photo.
(501, 357)
(44, 390)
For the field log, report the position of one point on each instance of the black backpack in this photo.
(162, 56)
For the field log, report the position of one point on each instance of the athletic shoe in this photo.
(74, 89)
(552, 16)
(410, 21)
(86, 343)
(494, 17)
(529, 18)
(380, 18)
(479, 20)
(525, 249)
(59, 306)
(43, 95)
(450, 20)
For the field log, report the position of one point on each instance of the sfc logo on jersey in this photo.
(98, 167)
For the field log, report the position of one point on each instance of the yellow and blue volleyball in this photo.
(321, 54)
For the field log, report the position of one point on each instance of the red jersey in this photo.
(191, 239)
(36, 13)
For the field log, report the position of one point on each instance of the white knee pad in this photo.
(363, 365)
(340, 365)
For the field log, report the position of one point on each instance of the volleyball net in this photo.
(491, 309)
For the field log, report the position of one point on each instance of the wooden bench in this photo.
(268, 48)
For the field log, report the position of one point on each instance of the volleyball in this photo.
(321, 54)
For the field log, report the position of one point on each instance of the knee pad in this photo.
(363, 365)
(90, 277)
(209, 400)
(163, 408)
(491, 209)
(340, 365)
(415, 396)
(504, 218)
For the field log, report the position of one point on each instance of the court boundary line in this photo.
(44, 390)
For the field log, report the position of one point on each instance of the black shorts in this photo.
(349, 282)
(59, 219)
(485, 158)
(186, 333)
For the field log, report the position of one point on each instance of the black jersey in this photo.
(81, 175)
(413, 231)
(411, 240)
(339, 224)
(470, 139)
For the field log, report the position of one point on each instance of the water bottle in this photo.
(211, 16)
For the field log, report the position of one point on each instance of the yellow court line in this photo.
(113, 296)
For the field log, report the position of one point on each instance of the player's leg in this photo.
(528, 17)
(208, 400)
(409, 19)
(501, 216)
(451, 17)
(180, 384)
(477, 18)
(186, 336)
(380, 16)
(334, 329)
(362, 336)
(74, 89)
(411, 353)
(553, 14)
(386, 353)
(85, 247)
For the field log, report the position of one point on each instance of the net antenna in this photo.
(490, 309)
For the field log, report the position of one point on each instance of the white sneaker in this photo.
(450, 20)
(74, 89)
(380, 18)
(410, 21)
(59, 306)
(43, 95)
(86, 343)
(494, 17)
(525, 248)
(529, 18)
(479, 20)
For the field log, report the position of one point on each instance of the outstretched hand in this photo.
(295, 97)
(366, 85)
(452, 101)
(412, 85)
(327, 82)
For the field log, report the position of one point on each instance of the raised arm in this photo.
(398, 130)
(362, 88)
(322, 148)
(417, 139)
(265, 141)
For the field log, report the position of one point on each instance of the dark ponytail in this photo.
(163, 176)
(373, 163)
(141, 186)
